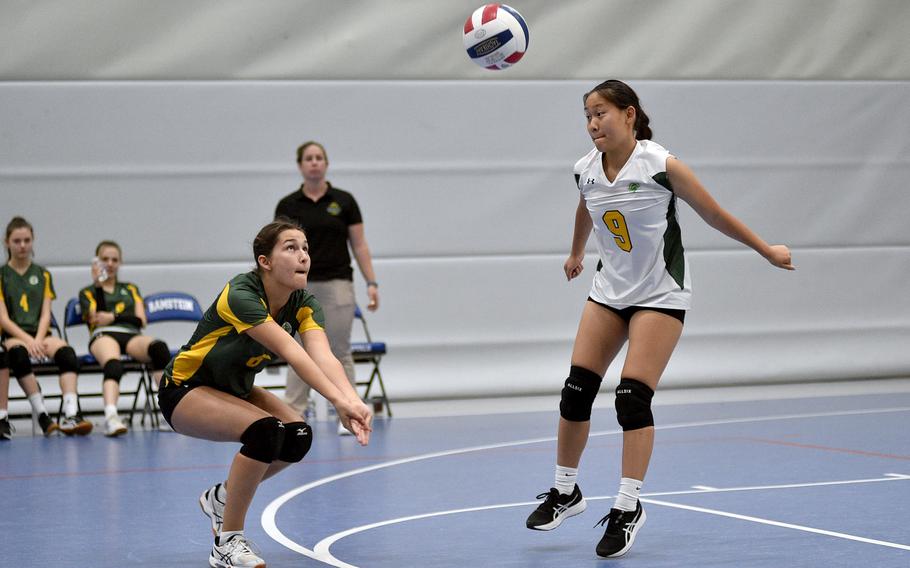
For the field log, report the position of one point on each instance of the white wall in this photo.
(467, 193)
(420, 39)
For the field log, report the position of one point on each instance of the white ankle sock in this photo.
(70, 404)
(37, 402)
(627, 497)
(225, 536)
(110, 411)
(566, 477)
(4, 413)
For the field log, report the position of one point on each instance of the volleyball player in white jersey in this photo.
(628, 188)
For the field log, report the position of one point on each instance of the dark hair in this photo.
(302, 148)
(268, 236)
(624, 97)
(103, 244)
(17, 223)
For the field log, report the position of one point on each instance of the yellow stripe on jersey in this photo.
(135, 292)
(224, 311)
(188, 362)
(23, 302)
(92, 303)
(47, 286)
(305, 317)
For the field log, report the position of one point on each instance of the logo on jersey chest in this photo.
(33, 280)
(287, 327)
(333, 209)
(633, 187)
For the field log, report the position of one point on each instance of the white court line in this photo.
(271, 510)
(323, 546)
(778, 524)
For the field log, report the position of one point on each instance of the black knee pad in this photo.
(112, 370)
(159, 354)
(578, 394)
(66, 360)
(4, 359)
(19, 363)
(633, 405)
(263, 440)
(298, 437)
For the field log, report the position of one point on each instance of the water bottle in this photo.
(102, 270)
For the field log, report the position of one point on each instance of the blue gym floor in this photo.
(819, 481)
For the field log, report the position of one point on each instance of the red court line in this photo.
(828, 448)
(51, 474)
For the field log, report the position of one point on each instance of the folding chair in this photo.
(370, 352)
(72, 317)
(166, 307)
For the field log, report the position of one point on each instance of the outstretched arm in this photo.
(352, 411)
(688, 188)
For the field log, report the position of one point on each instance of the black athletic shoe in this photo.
(48, 426)
(622, 526)
(555, 509)
(6, 433)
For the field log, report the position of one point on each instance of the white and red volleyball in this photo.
(496, 36)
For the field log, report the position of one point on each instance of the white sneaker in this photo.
(342, 431)
(213, 507)
(237, 552)
(113, 426)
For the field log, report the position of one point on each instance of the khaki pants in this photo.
(337, 300)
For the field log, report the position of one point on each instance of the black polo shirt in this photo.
(326, 223)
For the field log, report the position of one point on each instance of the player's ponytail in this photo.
(623, 96)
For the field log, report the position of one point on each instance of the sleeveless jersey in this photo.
(637, 231)
(24, 295)
(122, 301)
(220, 355)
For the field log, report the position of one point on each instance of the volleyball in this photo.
(496, 36)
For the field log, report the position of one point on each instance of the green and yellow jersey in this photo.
(220, 355)
(24, 295)
(121, 301)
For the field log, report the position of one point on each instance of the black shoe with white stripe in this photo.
(555, 509)
(622, 526)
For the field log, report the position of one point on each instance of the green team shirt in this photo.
(24, 295)
(122, 301)
(220, 355)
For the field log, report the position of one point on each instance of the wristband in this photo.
(372, 283)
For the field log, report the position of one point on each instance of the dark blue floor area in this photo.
(132, 501)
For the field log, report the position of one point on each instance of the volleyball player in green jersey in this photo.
(25, 316)
(207, 389)
(115, 315)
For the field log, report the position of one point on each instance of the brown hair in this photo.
(17, 223)
(622, 95)
(302, 148)
(268, 236)
(103, 244)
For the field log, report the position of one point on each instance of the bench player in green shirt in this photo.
(25, 317)
(207, 389)
(115, 315)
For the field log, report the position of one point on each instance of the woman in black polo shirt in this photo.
(332, 220)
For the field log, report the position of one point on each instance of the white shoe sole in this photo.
(635, 529)
(118, 432)
(575, 509)
(216, 564)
